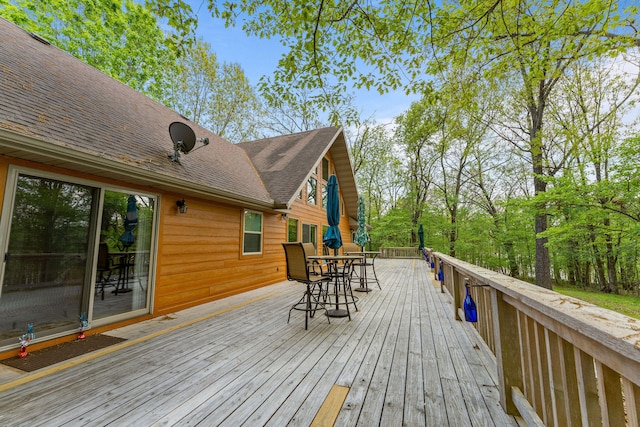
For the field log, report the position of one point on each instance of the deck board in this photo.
(403, 359)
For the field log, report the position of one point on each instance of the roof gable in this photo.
(285, 162)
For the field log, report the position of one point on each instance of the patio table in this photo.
(341, 278)
(364, 263)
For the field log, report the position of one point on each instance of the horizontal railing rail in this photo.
(406, 252)
(559, 361)
(41, 270)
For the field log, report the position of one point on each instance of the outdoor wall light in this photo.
(283, 216)
(182, 206)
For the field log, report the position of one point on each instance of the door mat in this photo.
(58, 353)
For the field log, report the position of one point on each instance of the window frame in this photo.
(311, 236)
(252, 232)
(326, 171)
(297, 225)
(312, 191)
(325, 193)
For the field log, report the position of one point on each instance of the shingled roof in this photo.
(57, 110)
(285, 162)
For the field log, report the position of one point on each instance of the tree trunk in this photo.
(543, 262)
(453, 236)
(611, 260)
(573, 265)
(514, 271)
(602, 280)
(586, 277)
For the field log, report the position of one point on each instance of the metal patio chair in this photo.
(298, 271)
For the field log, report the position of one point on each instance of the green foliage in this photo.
(216, 96)
(505, 85)
(337, 43)
(392, 230)
(121, 38)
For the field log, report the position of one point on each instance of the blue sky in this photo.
(259, 57)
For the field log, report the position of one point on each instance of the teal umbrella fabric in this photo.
(362, 237)
(421, 237)
(130, 221)
(332, 237)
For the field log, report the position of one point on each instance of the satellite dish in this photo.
(184, 139)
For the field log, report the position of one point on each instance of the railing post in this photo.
(507, 344)
(457, 300)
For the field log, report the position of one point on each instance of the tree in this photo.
(235, 109)
(291, 115)
(334, 43)
(121, 38)
(588, 113)
(386, 46)
(218, 97)
(533, 46)
(378, 171)
(418, 135)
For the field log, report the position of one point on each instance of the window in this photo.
(292, 230)
(312, 191)
(324, 196)
(325, 169)
(309, 233)
(252, 236)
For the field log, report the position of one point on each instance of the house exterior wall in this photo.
(199, 253)
(317, 215)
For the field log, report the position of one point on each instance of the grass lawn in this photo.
(627, 305)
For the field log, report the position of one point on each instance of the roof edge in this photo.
(108, 168)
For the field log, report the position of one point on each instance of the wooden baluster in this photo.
(508, 351)
(587, 389)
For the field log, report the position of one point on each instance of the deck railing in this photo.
(559, 361)
(406, 252)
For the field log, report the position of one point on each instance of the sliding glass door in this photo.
(124, 252)
(53, 228)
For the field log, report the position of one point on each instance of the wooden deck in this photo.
(401, 360)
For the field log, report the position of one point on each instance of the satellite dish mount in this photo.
(184, 139)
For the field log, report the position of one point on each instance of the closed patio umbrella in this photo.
(421, 237)
(332, 237)
(130, 221)
(362, 237)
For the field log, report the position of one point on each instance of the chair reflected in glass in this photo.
(105, 268)
(126, 264)
(298, 271)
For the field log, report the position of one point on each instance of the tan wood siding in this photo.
(200, 254)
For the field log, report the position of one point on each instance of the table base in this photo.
(337, 313)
